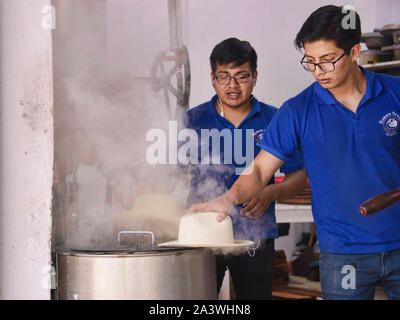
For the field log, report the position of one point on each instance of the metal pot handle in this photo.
(137, 232)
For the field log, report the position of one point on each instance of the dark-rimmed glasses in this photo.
(239, 78)
(324, 66)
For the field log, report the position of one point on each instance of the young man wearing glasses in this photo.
(231, 114)
(346, 126)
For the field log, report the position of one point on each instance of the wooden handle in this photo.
(380, 202)
(310, 240)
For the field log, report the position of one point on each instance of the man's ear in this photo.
(355, 52)
(212, 79)
(255, 75)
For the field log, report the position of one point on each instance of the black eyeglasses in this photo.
(239, 78)
(324, 66)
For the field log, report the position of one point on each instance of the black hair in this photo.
(330, 23)
(235, 51)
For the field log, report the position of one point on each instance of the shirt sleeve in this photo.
(281, 139)
(293, 164)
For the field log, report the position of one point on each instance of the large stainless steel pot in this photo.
(159, 274)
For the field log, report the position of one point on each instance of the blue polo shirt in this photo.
(212, 179)
(349, 157)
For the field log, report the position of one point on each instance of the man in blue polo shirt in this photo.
(346, 126)
(227, 125)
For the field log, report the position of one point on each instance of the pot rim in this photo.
(126, 252)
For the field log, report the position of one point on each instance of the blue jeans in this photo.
(355, 276)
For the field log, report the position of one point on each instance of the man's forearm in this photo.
(250, 183)
(245, 188)
(253, 179)
(293, 183)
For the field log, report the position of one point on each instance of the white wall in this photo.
(137, 31)
(387, 12)
(271, 27)
(26, 150)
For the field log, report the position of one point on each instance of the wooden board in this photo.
(299, 291)
(288, 295)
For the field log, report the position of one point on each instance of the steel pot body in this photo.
(168, 275)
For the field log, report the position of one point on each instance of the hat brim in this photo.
(236, 243)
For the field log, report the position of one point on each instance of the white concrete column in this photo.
(26, 158)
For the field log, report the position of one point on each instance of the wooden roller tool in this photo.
(380, 202)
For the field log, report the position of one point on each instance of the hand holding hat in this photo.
(202, 230)
(221, 205)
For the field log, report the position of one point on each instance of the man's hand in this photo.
(222, 205)
(255, 208)
(293, 183)
(250, 183)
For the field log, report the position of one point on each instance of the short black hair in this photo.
(235, 51)
(327, 23)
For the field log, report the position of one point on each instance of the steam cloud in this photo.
(104, 106)
(102, 115)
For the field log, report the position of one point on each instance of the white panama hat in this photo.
(203, 230)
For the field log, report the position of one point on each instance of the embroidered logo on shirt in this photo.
(390, 123)
(258, 136)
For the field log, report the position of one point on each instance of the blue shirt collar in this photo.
(374, 88)
(255, 106)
